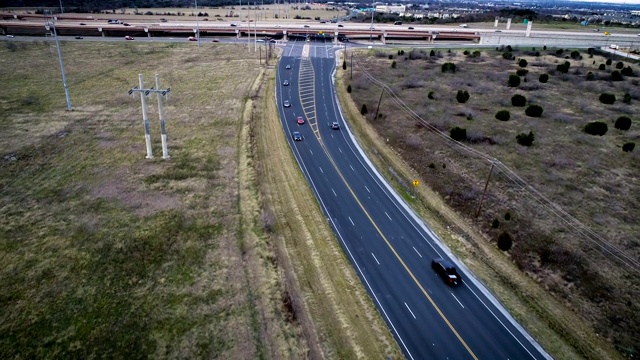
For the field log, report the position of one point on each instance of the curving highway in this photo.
(388, 245)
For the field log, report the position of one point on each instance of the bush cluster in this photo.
(627, 71)
(623, 123)
(563, 68)
(458, 134)
(518, 100)
(607, 98)
(525, 139)
(514, 80)
(522, 72)
(462, 96)
(505, 241)
(596, 128)
(503, 115)
(534, 111)
(544, 78)
(628, 147)
(522, 63)
(448, 67)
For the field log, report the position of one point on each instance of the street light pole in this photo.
(197, 25)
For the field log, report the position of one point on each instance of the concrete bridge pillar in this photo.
(335, 38)
(495, 24)
(101, 32)
(529, 25)
(147, 31)
(284, 35)
(508, 23)
(238, 34)
(383, 37)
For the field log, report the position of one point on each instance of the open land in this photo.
(108, 254)
(592, 309)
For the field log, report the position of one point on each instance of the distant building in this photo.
(391, 9)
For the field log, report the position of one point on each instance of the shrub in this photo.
(544, 78)
(476, 54)
(349, 88)
(462, 96)
(627, 98)
(623, 123)
(466, 52)
(559, 51)
(507, 216)
(458, 134)
(627, 71)
(596, 128)
(507, 55)
(575, 55)
(590, 76)
(563, 68)
(628, 147)
(518, 100)
(399, 52)
(522, 72)
(448, 67)
(495, 223)
(505, 241)
(522, 63)
(363, 109)
(616, 76)
(393, 64)
(432, 166)
(509, 49)
(607, 98)
(534, 111)
(344, 65)
(590, 51)
(525, 139)
(514, 80)
(390, 57)
(537, 53)
(432, 53)
(544, 47)
(619, 65)
(608, 62)
(503, 115)
(430, 96)
(601, 67)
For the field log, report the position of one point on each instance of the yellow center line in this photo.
(396, 253)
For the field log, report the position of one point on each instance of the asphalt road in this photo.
(390, 248)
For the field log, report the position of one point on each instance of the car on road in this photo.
(297, 136)
(83, 24)
(192, 38)
(126, 24)
(335, 125)
(300, 120)
(128, 37)
(288, 67)
(273, 41)
(79, 37)
(410, 27)
(446, 271)
(306, 26)
(234, 25)
(215, 40)
(340, 25)
(10, 36)
(498, 30)
(285, 83)
(286, 103)
(163, 20)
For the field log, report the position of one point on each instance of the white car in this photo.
(286, 103)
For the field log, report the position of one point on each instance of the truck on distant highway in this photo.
(614, 46)
(113, 21)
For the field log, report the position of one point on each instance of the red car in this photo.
(300, 120)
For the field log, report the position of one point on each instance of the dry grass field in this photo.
(108, 254)
(588, 176)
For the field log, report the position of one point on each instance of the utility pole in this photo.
(61, 9)
(379, 101)
(163, 131)
(145, 118)
(485, 189)
(197, 24)
(52, 24)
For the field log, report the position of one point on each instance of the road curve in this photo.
(389, 246)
